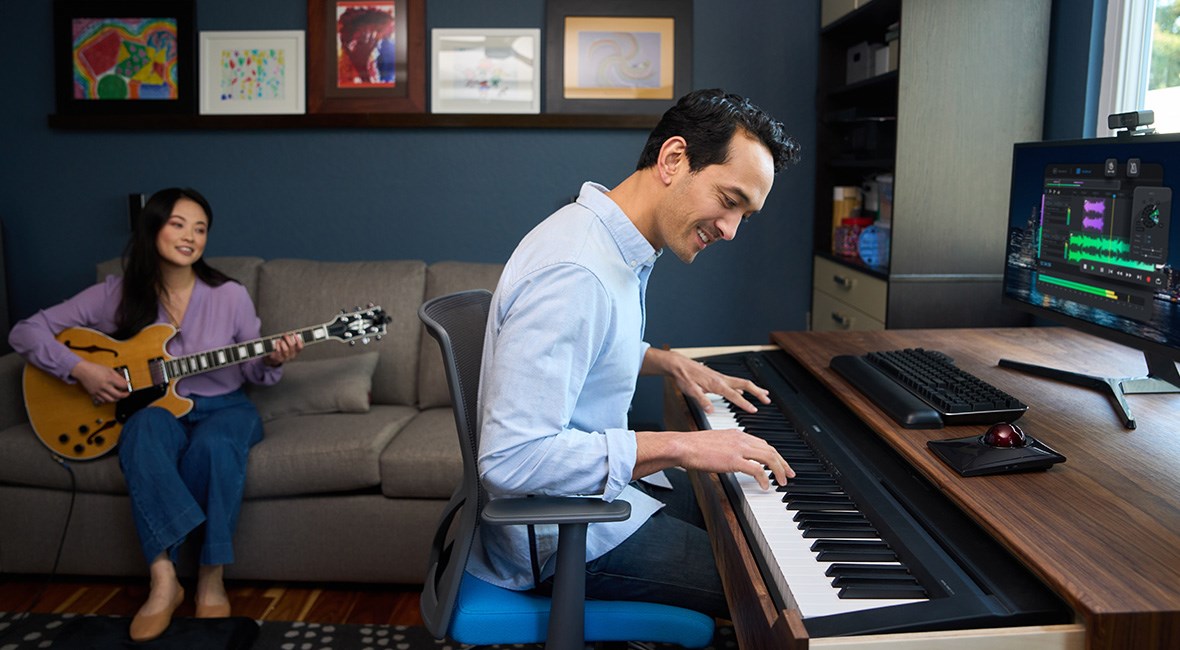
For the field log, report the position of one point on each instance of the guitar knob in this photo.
(352, 343)
(365, 340)
(378, 337)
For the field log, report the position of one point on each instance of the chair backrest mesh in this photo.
(457, 321)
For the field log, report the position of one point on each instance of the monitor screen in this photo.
(1091, 241)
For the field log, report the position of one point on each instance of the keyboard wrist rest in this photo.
(893, 398)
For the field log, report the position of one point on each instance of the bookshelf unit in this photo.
(970, 82)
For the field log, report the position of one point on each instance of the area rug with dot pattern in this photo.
(84, 632)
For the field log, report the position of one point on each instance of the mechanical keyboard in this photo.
(924, 389)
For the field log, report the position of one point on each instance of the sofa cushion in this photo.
(242, 269)
(315, 454)
(423, 461)
(306, 454)
(28, 462)
(443, 278)
(293, 294)
(337, 385)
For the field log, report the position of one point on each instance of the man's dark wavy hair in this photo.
(707, 120)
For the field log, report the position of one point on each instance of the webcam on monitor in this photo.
(1134, 122)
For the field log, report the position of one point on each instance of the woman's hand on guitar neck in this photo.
(103, 384)
(285, 349)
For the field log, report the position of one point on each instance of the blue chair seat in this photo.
(486, 614)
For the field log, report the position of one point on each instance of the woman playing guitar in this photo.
(180, 472)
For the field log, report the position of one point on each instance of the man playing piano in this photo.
(564, 349)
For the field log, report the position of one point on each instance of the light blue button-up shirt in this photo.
(562, 353)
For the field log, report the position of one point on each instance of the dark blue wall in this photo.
(431, 194)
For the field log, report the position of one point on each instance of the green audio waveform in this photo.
(1113, 260)
(1105, 250)
(1105, 244)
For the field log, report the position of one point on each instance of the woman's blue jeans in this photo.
(182, 472)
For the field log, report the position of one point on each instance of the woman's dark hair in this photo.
(707, 120)
(142, 280)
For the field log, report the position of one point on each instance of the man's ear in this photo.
(673, 158)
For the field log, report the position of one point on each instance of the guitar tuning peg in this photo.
(365, 340)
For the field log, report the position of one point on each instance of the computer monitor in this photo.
(1091, 245)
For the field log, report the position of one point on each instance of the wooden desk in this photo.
(1102, 529)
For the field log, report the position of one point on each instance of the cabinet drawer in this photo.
(859, 290)
(829, 314)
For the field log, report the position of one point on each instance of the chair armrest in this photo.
(12, 394)
(553, 510)
(567, 616)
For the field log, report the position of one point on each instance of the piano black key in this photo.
(828, 532)
(896, 579)
(884, 591)
(852, 550)
(822, 517)
(819, 502)
(867, 570)
(827, 488)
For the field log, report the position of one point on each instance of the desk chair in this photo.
(469, 610)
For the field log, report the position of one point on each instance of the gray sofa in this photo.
(344, 487)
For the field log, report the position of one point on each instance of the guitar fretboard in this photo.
(195, 364)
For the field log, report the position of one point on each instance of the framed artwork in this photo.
(252, 72)
(366, 56)
(617, 56)
(124, 57)
(485, 71)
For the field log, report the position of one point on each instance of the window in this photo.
(1141, 64)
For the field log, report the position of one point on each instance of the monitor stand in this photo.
(1162, 377)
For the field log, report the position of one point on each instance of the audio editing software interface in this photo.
(1104, 234)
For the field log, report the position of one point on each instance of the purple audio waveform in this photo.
(1097, 207)
(1093, 224)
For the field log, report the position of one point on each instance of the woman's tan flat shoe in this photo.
(145, 627)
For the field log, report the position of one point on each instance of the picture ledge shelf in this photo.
(350, 120)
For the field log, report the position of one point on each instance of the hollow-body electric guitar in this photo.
(71, 425)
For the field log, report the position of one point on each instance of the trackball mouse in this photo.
(1004, 434)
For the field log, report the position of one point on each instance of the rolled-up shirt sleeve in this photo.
(539, 401)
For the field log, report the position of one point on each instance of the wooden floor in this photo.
(372, 604)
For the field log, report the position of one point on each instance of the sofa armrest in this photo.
(12, 394)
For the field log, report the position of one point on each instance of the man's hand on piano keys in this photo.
(733, 450)
(696, 381)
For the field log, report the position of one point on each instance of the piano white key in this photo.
(794, 563)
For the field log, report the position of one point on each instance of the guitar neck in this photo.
(195, 364)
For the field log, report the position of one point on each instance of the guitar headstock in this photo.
(361, 325)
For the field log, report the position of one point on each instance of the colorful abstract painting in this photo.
(252, 74)
(365, 44)
(125, 58)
